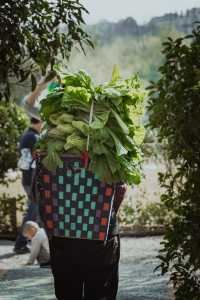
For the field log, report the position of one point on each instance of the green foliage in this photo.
(105, 31)
(139, 55)
(8, 212)
(174, 108)
(149, 214)
(126, 214)
(151, 148)
(152, 214)
(52, 159)
(12, 124)
(113, 150)
(33, 34)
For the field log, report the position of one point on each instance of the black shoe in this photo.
(45, 265)
(22, 250)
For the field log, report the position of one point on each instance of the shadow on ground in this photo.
(7, 255)
(137, 279)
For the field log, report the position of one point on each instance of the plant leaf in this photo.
(119, 147)
(120, 122)
(115, 75)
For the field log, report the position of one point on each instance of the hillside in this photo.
(106, 31)
(135, 48)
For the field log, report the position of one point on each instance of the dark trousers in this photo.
(84, 269)
(31, 214)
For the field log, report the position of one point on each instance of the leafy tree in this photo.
(12, 124)
(174, 108)
(140, 55)
(33, 33)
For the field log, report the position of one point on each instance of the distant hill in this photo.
(106, 31)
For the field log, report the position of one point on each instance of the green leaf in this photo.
(97, 124)
(139, 135)
(80, 79)
(103, 116)
(120, 122)
(99, 148)
(51, 104)
(101, 169)
(112, 162)
(77, 93)
(52, 161)
(115, 75)
(119, 147)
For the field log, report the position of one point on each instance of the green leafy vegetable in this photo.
(65, 118)
(52, 159)
(112, 124)
(121, 123)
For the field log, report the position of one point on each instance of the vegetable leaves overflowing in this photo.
(103, 120)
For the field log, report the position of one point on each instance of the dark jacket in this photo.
(28, 141)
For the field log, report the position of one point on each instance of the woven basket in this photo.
(74, 203)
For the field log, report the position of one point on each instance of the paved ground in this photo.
(137, 279)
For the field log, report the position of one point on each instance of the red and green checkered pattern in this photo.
(74, 203)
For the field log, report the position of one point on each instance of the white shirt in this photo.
(39, 248)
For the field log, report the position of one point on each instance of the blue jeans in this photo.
(32, 214)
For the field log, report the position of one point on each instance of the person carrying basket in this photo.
(86, 156)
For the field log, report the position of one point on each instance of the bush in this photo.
(8, 208)
(12, 124)
(126, 214)
(174, 108)
(150, 214)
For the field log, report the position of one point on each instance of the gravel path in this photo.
(137, 279)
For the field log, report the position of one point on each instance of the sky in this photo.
(141, 10)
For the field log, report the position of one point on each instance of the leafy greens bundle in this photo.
(103, 119)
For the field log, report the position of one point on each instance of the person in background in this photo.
(31, 102)
(26, 165)
(39, 244)
(26, 161)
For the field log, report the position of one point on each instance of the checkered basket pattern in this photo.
(74, 203)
